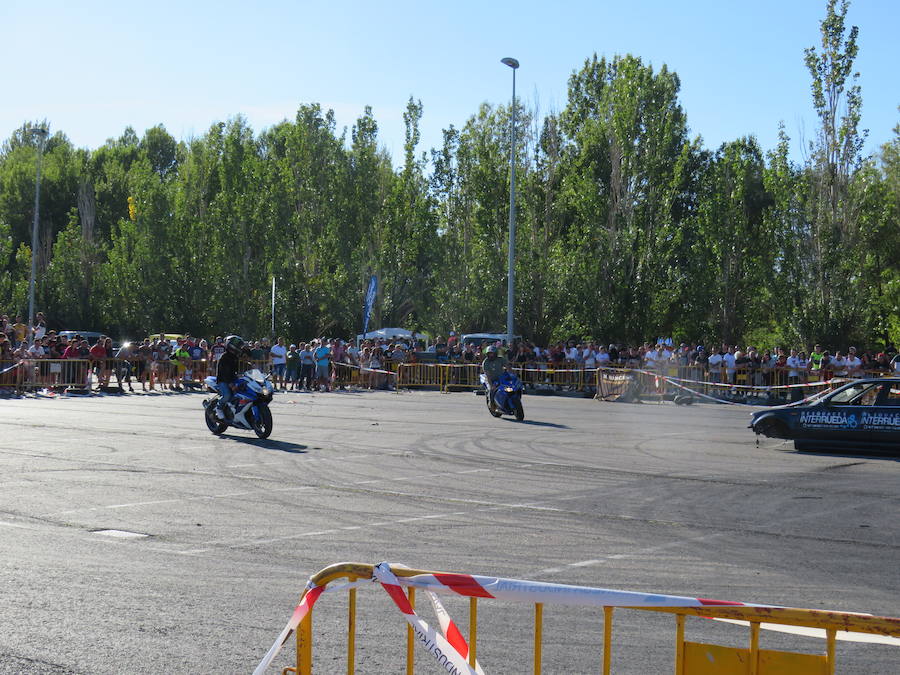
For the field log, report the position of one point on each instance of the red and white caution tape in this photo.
(449, 647)
(450, 631)
(518, 590)
(305, 607)
(306, 604)
(451, 654)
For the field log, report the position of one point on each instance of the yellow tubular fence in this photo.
(691, 658)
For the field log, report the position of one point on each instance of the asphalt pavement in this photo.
(132, 539)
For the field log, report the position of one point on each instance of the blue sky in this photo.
(92, 68)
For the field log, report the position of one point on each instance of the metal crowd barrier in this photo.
(775, 386)
(410, 375)
(457, 654)
(461, 376)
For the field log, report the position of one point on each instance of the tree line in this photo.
(627, 228)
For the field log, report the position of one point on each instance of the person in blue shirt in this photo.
(322, 354)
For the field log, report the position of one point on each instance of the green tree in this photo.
(833, 309)
(626, 132)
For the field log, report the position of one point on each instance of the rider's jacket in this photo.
(493, 368)
(227, 370)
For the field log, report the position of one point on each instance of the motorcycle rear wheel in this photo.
(213, 423)
(262, 421)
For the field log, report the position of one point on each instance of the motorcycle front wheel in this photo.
(520, 412)
(262, 421)
(213, 423)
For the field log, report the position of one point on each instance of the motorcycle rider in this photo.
(228, 369)
(493, 367)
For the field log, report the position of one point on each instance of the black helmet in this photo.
(234, 343)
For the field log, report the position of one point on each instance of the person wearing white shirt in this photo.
(839, 365)
(589, 356)
(651, 356)
(854, 364)
(278, 354)
(793, 364)
(729, 358)
(715, 366)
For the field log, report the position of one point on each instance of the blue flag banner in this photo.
(370, 300)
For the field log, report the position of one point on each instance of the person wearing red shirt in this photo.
(98, 356)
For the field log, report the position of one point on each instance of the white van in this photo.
(480, 338)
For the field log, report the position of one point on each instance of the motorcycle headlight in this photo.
(266, 391)
(509, 390)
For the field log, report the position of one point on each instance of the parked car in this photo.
(862, 414)
(89, 335)
(171, 338)
(480, 338)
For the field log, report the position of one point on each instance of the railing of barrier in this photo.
(410, 375)
(11, 373)
(457, 654)
(461, 376)
(614, 383)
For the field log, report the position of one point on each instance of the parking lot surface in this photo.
(132, 539)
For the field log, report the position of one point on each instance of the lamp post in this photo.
(511, 278)
(41, 134)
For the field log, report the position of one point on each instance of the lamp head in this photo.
(511, 62)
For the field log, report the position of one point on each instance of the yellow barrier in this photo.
(691, 658)
(630, 384)
(411, 375)
(462, 376)
(60, 374)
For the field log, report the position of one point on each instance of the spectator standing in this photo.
(895, 364)
(258, 355)
(180, 362)
(199, 353)
(589, 356)
(125, 356)
(375, 364)
(715, 363)
(40, 326)
(614, 355)
(278, 355)
(839, 364)
(651, 357)
(20, 331)
(814, 365)
(307, 365)
(729, 359)
(98, 357)
(322, 355)
(142, 362)
(292, 367)
(218, 348)
(882, 365)
(353, 354)
(853, 363)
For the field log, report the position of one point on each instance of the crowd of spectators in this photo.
(311, 365)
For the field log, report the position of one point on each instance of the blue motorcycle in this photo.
(248, 408)
(507, 396)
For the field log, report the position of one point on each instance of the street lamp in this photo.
(41, 134)
(511, 277)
